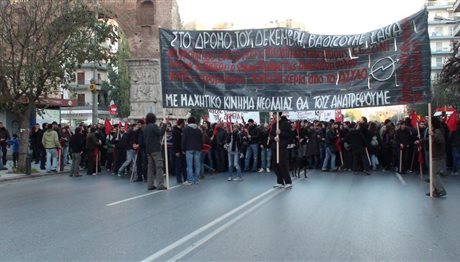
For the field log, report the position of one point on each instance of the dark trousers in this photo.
(141, 164)
(42, 158)
(4, 150)
(91, 168)
(109, 160)
(219, 154)
(120, 157)
(360, 160)
(281, 169)
(180, 171)
(36, 153)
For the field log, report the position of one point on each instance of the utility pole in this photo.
(95, 80)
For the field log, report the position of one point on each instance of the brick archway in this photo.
(140, 20)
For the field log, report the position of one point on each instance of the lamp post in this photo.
(95, 80)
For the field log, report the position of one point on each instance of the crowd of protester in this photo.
(195, 149)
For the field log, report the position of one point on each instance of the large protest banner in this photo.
(282, 69)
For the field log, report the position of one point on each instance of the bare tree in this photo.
(448, 89)
(42, 42)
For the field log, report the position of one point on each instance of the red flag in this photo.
(297, 127)
(413, 119)
(452, 121)
(126, 127)
(420, 154)
(242, 119)
(108, 126)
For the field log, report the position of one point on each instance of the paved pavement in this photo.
(335, 216)
(10, 174)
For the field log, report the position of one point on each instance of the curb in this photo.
(32, 176)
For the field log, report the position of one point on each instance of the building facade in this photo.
(442, 24)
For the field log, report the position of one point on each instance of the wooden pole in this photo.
(97, 159)
(419, 146)
(368, 157)
(59, 160)
(430, 149)
(277, 142)
(166, 152)
(400, 159)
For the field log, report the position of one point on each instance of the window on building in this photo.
(98, 77)
(81, 78)
(438, 61)
(438, 46)
(81, 99)
(145, 13)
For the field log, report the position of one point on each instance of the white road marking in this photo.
(195, 233)
(401, 179)
(139, 196)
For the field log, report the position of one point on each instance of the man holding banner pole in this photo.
(280, 160)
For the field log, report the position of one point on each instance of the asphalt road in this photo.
(339, 217)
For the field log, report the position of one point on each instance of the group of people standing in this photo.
(194, 149)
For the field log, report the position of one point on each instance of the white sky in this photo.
(318, 16)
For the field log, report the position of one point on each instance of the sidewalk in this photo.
(8, 175)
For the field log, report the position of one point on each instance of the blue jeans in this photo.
(375, 162)
(456, 158)
(193, 159)
(51, 155)
(130, 155)
(252, 150)
(234, 161)
(266, 156)
(330, 154)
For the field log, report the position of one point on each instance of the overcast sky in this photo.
(318, 16)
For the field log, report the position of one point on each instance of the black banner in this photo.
(280, 69)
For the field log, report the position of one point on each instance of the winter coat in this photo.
(50, 139)
(192, 138)
(152, 138)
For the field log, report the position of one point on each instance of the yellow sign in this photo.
(92, 88)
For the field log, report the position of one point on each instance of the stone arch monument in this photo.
(140, 20)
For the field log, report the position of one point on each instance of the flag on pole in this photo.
(108, 126)
(413, 119)
(452, 121)
(126, 127)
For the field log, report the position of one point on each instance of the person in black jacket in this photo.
(179, 156)
(358, 143)
(77, 146)
(283, 136)
(131, 147)
(330, 140)
(91, 144)
(141, 163)
(192, 142)
(218, 141)
(234, 142)
(152, 141)
(403, 140)
(252, 150)
(35, 143)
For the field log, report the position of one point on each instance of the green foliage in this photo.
(42, 42)
(119, 80)
(198, 114)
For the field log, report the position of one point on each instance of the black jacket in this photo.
(192, 138)
(237, 141)
(177, 139)
(254, 132)
(356, 139)
(152, 137)
(77, 143)
(286, 133)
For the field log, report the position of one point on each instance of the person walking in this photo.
(51, 143)
(358, 143)
(192, 141)
(152, 139)
(76, 146)
(131, 142)
(14, 143)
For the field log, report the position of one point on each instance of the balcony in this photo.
(443, 52)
